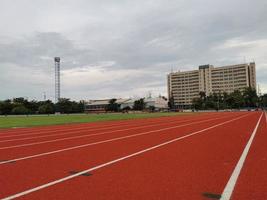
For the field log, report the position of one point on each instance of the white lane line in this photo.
(55, 131)
(58, 127)
(84, 128)
(52, 129)
(113, 161)
(94, 143)
(89, 135)
(229, 188)
(90, 144)
(85, 131)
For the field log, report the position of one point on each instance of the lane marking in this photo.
(85, 128)
(85, 131)
(33, 132)
(89, 135)
(54, 130)
(96, 124)
(91, 144)
(229, 188)
(114, 161)
(85, 125)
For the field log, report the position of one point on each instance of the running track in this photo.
(205, 156)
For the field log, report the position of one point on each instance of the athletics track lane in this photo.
(67, 133)
(188, 149)
(25, 173)
(22, 131)
(21, 151)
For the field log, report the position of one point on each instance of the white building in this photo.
(159, 103)
(97, 106)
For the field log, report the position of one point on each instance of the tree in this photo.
(81, 106)
(46, 109)
(151, 108)
(250, 97)
(6, 107)
(64, 105)
(112, 106)
(20, 110)
(20, 100)
(197, 103)
(210, 103)
(203, 99)
(32, 106)
(238, 100)
(202, 95)
(263, 101)
(23, 106)
(171, 103)
(139, 104)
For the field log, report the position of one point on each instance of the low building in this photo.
(99, 106)
(128, 104)
(159, 103)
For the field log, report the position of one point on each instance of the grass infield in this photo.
(45, 120)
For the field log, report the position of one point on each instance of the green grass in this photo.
(29, 121)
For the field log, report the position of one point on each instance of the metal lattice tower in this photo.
(57, 79)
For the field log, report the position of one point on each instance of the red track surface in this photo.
(185, 157)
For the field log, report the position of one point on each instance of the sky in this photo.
(123, 48)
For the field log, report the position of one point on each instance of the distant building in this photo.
(183, 87)
(159, 103)
(98, 106)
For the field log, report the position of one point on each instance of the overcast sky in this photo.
(123, 48)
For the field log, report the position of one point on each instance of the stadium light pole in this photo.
(57, 79)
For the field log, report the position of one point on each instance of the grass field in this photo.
(28, 121)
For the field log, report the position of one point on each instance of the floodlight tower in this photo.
(57, 79)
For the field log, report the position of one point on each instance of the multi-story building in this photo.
(183, 87)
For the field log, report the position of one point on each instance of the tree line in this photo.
(19, 106)
(247, 98)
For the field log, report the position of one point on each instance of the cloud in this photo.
(101, 82)
(111, 48)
